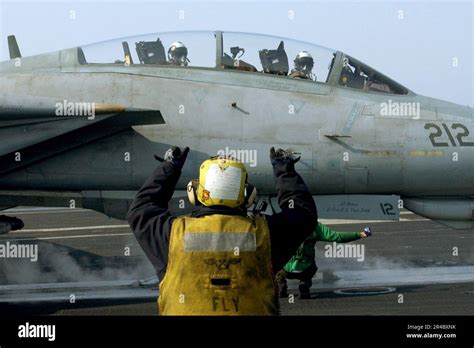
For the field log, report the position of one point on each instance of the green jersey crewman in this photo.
(302, 265)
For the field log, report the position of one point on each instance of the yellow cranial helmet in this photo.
(222, 181)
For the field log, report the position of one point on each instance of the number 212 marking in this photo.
(438, 132)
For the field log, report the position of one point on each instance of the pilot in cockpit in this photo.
(303, 66)
(178, 54)
(347, 75)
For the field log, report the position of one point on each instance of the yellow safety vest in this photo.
(219, 265)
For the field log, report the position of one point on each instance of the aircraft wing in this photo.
(34, 128)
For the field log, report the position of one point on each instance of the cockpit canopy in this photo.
(242, 52)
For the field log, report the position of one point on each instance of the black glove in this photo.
(174, 156)
(282, 156)
(16, 224)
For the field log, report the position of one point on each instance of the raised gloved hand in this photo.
(175, 156)
(367, 232)
(282, 156)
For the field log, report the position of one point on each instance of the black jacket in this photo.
(151, 221)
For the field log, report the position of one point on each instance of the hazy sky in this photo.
(425, 45)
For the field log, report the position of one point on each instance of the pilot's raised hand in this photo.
(283, 156)
(367, 232)
(175, 156)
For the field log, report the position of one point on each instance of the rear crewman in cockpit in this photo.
(178, 54)
(347, 75)
(303, 66)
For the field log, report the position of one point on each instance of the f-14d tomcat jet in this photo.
(79, 127)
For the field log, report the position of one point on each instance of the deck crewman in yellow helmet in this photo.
(220, 260)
